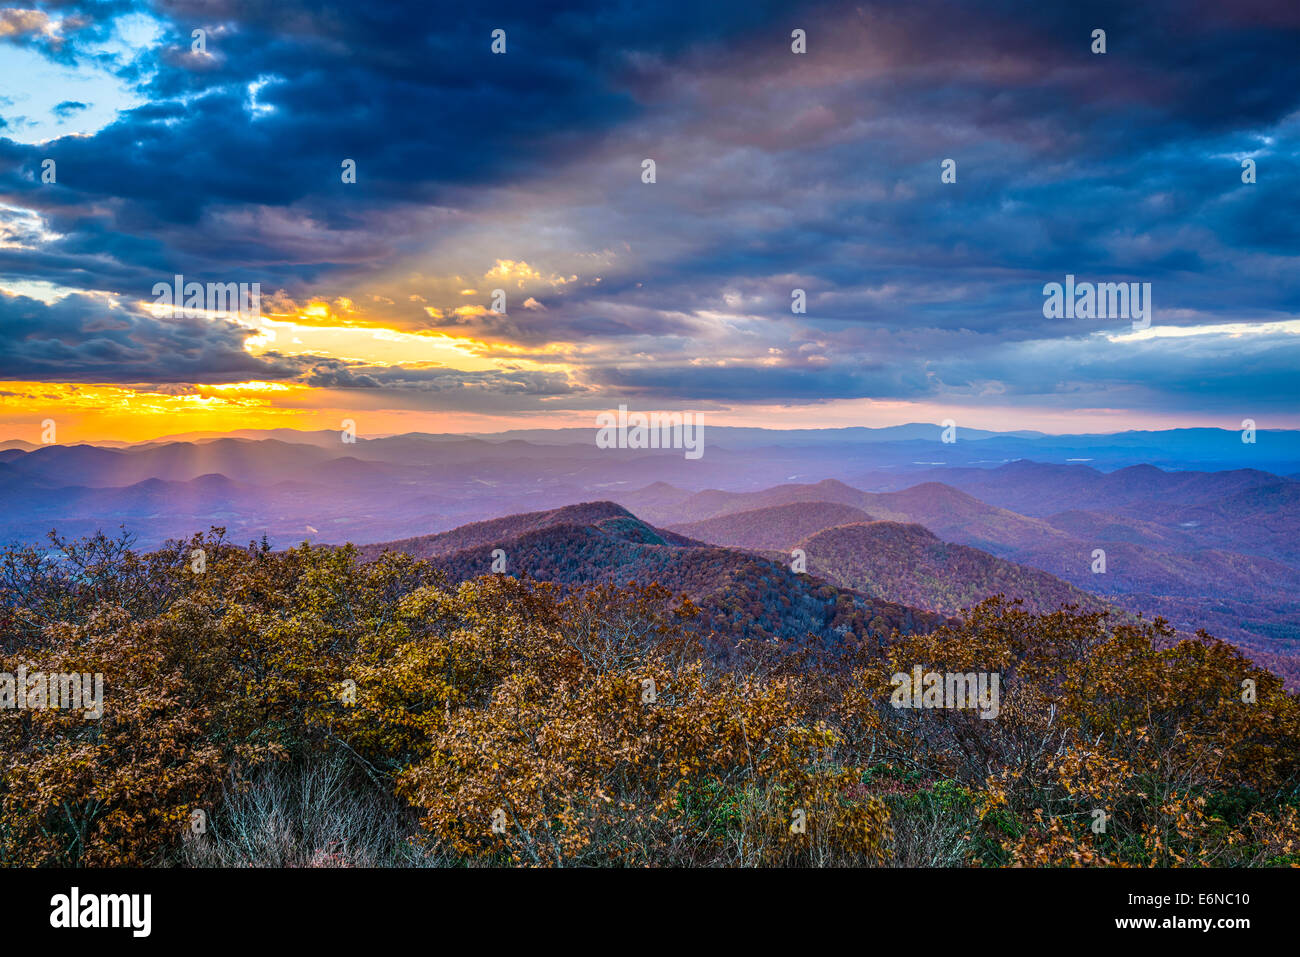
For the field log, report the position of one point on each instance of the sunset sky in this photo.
(522, 171)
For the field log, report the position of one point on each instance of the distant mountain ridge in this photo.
(778, 527)
(1164, 563)
(661, 506)
(902, 561)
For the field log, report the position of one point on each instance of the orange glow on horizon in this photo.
(114, 413)
(96, 413)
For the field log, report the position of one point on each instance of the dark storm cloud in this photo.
(1123, 167)
(83, 338)
(408, 90)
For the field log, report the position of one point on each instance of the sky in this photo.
(523, 171)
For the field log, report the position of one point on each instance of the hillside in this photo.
(658, 505)
(957, 516)
(741, 596)
(949, 512)
(775, 527)
(1227, 563)
(1242, 510)
(912, 565)
(494, 532)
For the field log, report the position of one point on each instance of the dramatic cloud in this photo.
(83, 338)
(775, 171)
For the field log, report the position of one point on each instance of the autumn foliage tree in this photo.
(525, 723)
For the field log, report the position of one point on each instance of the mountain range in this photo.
(1193, 524)
(740, 595)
